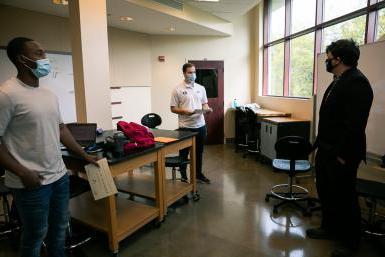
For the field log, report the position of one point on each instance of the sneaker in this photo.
(202, 179)
(318, 233)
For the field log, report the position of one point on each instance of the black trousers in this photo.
(336, 186)
(199, 142)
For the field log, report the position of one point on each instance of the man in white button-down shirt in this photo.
(189, 101)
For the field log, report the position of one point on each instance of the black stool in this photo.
(373, 192)
(293, 151)
(6, 225)
(175, 162)
(78, 186)
(151, 120)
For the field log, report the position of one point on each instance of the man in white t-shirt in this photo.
(31, 129)
(189, 101)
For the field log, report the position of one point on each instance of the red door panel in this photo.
(210, 75)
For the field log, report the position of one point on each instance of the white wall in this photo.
(130, 54)
(234, 51)
(134, 57)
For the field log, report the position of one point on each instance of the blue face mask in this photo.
(190, 78)
(43, 67)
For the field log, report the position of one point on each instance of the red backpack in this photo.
(140, 137)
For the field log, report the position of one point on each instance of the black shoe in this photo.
(202, 179)
(185, 180)
(342, 252)
(318, 233)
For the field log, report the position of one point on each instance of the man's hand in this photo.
(92, 159)
(207, 110)
(188, 112)
(340, 160)
(31, 179)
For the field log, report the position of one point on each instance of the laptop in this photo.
(84, 133)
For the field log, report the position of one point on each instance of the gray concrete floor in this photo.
(230, 220)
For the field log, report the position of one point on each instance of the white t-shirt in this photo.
(29, 128)
(190, 97)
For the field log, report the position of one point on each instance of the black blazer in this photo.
(343, 116)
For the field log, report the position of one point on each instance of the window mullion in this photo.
(265, 49)
(317, 41)
(286, 73)
(371, 20)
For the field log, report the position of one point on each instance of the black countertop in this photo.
(179, 135)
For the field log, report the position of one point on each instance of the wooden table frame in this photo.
(140, 185)
(116, 216)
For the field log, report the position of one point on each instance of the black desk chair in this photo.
(373, 192)
(293, 152)
(151, 120)
(249, 129)
(78, 186)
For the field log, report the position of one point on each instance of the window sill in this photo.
(288, 97)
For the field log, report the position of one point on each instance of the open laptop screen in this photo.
(84, 133)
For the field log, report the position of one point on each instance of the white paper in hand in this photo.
(100, 179)
(198, 111)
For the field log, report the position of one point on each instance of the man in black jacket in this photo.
(341, 144)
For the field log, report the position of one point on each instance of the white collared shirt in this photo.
(190, 97)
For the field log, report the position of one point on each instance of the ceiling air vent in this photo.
(171, 3)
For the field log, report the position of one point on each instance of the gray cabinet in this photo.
(273, 129)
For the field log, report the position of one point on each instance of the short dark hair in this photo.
(186, 66)
(15, 47)
(346, 49)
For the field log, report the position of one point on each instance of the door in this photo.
(210, 75)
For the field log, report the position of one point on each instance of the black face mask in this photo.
(329, 65)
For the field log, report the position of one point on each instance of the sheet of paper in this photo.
(165, 139)
(100, 179)
(200, 111)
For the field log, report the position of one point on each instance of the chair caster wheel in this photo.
(115, 254)
(267, 199)
(196, 197)
(275, 210)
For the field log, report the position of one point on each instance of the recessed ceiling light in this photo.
(172, 29)
(60, 2)
(125, 18)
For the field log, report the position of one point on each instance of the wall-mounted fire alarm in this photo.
(161, 58)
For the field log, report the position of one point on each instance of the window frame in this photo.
(370, 10)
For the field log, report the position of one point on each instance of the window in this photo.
(277, 19)
(301, 21)
(354, 29)
(301, 66)
(334, 9)
(297, 30)
(381, 25)
(276, 64)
